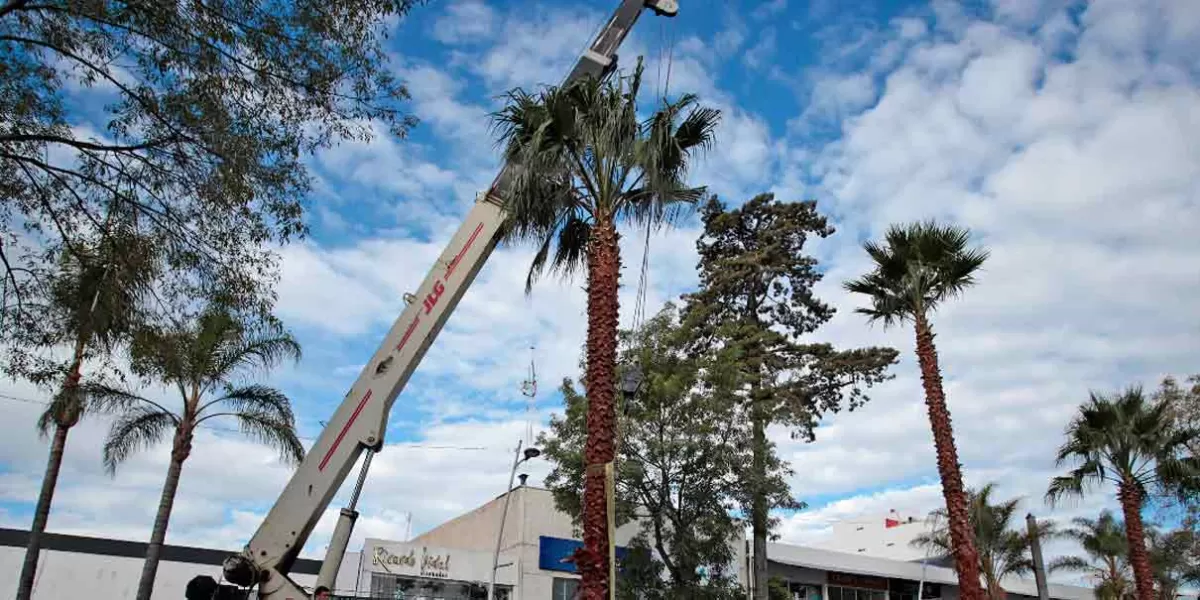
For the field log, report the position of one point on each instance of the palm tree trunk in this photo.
(1135, 534)
(154, 549)
(604, 265)
(962, 543)
(41, 513)
(758, 508)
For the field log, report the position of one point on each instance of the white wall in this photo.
(77, 576)
(869, 536)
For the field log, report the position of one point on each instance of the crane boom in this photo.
(360, 422)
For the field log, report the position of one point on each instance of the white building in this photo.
(881, 536)
(453, 561)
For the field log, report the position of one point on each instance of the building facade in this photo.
(454, 561)
(820, 574)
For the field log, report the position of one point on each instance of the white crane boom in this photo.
(360, 422)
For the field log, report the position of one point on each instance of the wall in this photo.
(75, 576)
(531, 514)
(870, 536)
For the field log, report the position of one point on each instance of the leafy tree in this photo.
(682, 444)
(1171, 561)
(1184, 400)
(586, 164)
(90, 305)
(197, 115)
(1134, 444)
(754, 304)
(1107, 563)
(206, 361)
(1004, 546)
(917, 268)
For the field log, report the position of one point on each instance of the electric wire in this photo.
(416, 445)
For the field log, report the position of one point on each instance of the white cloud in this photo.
(465, 22)
(1080, 177)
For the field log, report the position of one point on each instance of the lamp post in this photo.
(530, 453)
(631, 382)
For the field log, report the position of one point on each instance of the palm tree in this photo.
(92, 304)
(583, 164)
(1003, 551)
(919, 266)
(1133, 443)
(1103, 540)
(205, 362)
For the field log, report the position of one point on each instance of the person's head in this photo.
(321, 593)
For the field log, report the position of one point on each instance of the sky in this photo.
(1063, 134)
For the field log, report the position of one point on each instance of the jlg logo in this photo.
(432, 298)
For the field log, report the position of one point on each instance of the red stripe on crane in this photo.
(466, 246)
(408, 333)
(341, 434)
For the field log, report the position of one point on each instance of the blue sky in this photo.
(1062, 134)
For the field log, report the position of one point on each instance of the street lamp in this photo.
(529, 454)
(631, 382)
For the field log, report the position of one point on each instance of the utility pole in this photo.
(1035, 548)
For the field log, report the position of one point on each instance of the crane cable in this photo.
(664, 85)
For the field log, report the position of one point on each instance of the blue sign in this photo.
(554, 554)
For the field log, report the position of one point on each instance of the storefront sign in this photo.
(432, 564)
(857, 581)
(554, 554)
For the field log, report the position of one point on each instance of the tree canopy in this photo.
(196, 116)
(682, 442)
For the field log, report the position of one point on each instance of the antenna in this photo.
(529, 390)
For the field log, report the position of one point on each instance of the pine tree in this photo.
(756, 301)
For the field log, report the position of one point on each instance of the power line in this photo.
(302, 437)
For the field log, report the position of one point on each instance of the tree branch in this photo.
(27, 137)
(12, 5)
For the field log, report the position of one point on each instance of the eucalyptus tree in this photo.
(917, 268)
(585, 164)
(682, 446)
(207, 361)
(1132, 443)
(198, 115)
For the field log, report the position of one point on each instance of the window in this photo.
(803, 591)
(386, 586)
(564, 589)
(849, 593)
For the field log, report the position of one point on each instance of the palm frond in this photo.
(916, 268)
(138, 427)
(66, 406)
(267, 429)
(111, 399)
(1069, 563)
(256, 398)
(259, 349)
(578, 156)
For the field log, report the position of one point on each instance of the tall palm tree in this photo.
(92, 304)
(1133, 443)
(1003, 550)
(206, 361)
(1107, 563)
(584, 163)
(917, 268)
